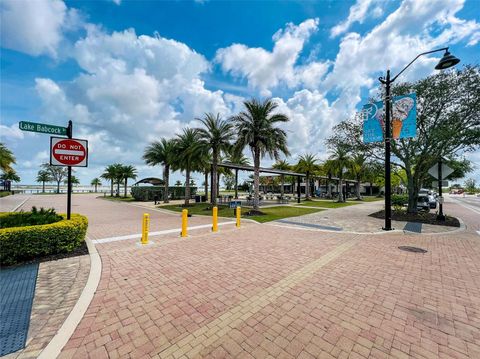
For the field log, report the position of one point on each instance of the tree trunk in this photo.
(236, 184)
(412, 192)
(118, 189)
(126, 183)
(206, 186)
(43, 187)
(256, 177)
(282, 178)
(111, 188)
(166, 179)
(95, 188)
(307, 186)
(187, 188)
(371, 189)
(214, 190)
(358, 188)
(340, 192)
(58, 186)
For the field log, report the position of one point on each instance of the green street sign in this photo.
(42, 128)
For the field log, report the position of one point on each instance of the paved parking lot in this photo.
(273, 291)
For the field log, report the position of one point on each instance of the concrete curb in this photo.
(53, 349)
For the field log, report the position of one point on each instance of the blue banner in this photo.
(404, 119)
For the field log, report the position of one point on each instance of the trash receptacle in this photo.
(198, 199)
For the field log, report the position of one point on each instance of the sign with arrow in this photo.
(446, 171)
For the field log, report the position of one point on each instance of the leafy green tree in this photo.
(189, 152)
(162, 153)
(256, 129)
(96, 182)
(57, 174)
(6, 158)
(178, 183)
(217, 135)
(282, 165)
(10, 175)
(229, 182)
(42, 177)
(373, 173)
(126, 173)
(111, 173)
(470, 185)
(307, 164)
(340, 161)
(447, 126)
(357, 168)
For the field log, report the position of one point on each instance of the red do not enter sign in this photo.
(68, 152)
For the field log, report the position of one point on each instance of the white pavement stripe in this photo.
(167, 231)
(478, 233)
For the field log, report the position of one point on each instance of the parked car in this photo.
(432, 201)
(423, 203)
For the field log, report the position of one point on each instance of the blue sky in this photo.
(129, 72)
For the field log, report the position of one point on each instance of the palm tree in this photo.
(43, 176)
(162, 153)
(6, 158)
(189, 152)
(216, 135)
(282, 165)
(10, 175)
(237, 158)
(111, 174)
(358, 168)
(255, 128)
(307, 164)
(340, 162)
(96, 182)
(127, 172)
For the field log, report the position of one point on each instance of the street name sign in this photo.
(42, 128)
(68, 152)
(446, 171)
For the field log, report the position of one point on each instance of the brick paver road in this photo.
(265, 291)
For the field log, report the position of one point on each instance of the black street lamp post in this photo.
(448, 60)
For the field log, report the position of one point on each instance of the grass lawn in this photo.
(4, 193)
(328, 204)
(271, 213)
(371, 199)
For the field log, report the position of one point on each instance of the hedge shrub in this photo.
(19, 244)
(32, 218)
(148, 193)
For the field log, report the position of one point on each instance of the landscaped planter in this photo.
(18, 244)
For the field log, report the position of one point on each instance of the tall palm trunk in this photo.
(166, 175)
(58, 186)
(118, 188)
(307, 186)
(214, 190)
(187, 187)
(111, 187)
(282, 178)
(126, 182)
(358, 188)
(256, 178)
(236, 183)
(206, 186)
(340, 192)
(43, 186)
(95, 188)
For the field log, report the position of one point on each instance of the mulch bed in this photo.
(420, 217)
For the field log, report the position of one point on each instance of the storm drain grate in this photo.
(17, 289)
(412, 249)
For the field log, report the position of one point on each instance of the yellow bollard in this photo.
(239, 214)
(184, 222)
(145, 225)
(215, 219)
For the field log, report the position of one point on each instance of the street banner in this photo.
(403, 119)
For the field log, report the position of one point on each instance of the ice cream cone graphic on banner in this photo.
(401, 109)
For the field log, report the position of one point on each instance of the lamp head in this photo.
(448, 60)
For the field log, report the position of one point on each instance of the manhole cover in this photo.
(412, 249)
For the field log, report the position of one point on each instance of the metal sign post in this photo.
(69, 175)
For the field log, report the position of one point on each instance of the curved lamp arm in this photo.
(411, 62)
